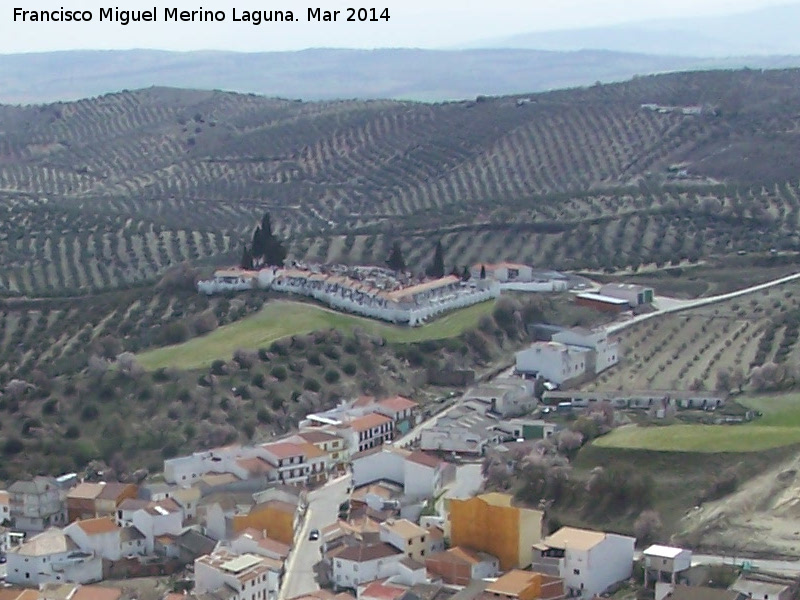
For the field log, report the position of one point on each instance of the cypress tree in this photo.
(396, 262)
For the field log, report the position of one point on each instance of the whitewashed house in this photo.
(52, 556)
(243, 576)
(588, 561)
(554, 361)
(101, 536)
(365, 562)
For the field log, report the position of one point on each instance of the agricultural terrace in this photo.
(282, 319)
(689, 348)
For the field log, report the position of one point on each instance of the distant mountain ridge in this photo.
(324, 74)
(767, 31)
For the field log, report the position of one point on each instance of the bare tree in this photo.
(128, 364)
(647, 526)
(568, 441)
(97, 366)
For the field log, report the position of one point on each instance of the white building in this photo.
(157, 518)
(664, 564)
(229, 280)
(37, 504)
(101, 536)
(420, 474)
(248, 576)
(452, 438)
(635, 295)
(290, 460)
(253, 541)
(606, 351)
(504, 396)
(554, 361)
(5, 513)
(588, 561)
(368, 432)
(365, 562)
(52, 556)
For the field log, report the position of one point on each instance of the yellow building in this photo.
(276, 517)
(489, 523)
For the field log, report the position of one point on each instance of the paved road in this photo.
(323, 509)
(671, 305)
(786, 567)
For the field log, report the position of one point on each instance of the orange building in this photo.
(525, 585)
(489, 523)
(276, 517)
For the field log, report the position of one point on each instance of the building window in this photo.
(576, 571)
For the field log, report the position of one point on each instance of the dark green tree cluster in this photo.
(265, 250)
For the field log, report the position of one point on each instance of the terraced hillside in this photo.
(689, 348)
(106, 193)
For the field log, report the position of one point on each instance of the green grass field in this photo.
(701, 438)
(281, 319)
(779, 410)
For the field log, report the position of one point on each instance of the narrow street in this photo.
(323, 509)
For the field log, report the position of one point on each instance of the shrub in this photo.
(174, 333)
(332, 352)
(50, 407)
(263, 354)
(169, 450)
(218, 367)
(263, 415)
(72, 432)
(89, 412)
(205, 322)
(245, 358)
(332, 376)
(350, 368)
(259, 380)
(13, 446)
(279, 373)
(312, 385)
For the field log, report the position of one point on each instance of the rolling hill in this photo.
(106, 193)
(765, 31)
(329, 74)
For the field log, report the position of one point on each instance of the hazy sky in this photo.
(415, 23)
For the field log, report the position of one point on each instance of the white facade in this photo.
(588, 561)
(663, 563)
(105, 545)
(50, 557)
(382, 464)
(186, 470)
(606, 351)
(152, 525)
(506, 397)
(376, 562)
(635, 295)
(36, 505)
(252, 577)
(421, 480)
(228, 280)
(554, 361)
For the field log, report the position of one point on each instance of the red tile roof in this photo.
(367, 552)
(398, 403)
(383, 591)
(98, 526)
(369, 421)
(283, 449)
(423, 458)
